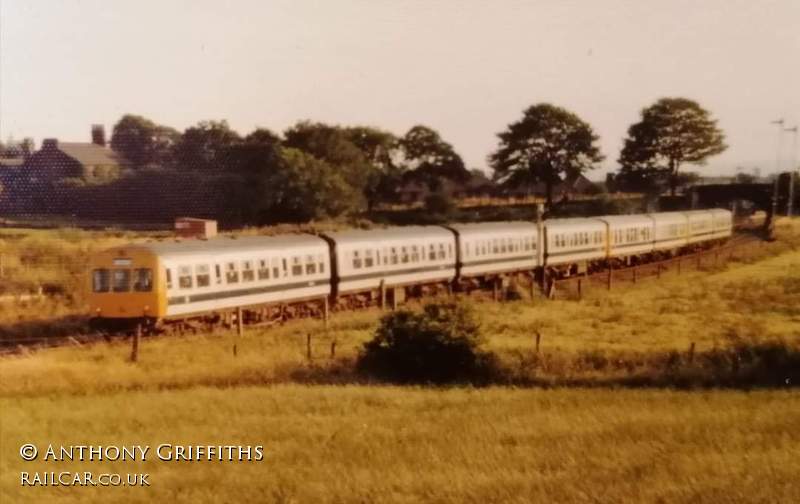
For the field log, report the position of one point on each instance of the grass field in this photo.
(331, 437)
(329, 444)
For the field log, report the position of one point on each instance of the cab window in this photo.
(121, 280)
(143, 280)
(101, 280)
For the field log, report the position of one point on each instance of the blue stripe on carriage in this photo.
(211, 296)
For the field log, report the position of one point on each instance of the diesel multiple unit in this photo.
(282, 276)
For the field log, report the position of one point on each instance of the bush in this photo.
(439, 345)
(440, 204)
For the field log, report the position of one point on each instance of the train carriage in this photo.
(722, 223)
(492, 248)
(671, 230)
(701, 226)
(629, 235)
(181, 279)
(366, 259)
(574, 241)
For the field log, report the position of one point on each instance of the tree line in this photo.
(315, 171)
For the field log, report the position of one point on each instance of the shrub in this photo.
(439, 345)
(440, 204)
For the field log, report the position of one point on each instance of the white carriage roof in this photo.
(574, 222)
(393, 233)
(491, 227)
(626, 219)
(662, 217)
(224, 244)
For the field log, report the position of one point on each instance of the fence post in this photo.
(333, 348)
(135, 344)
(580, 289)
(383, 294)
(608, 280)
(538, 340)
(326, 312)
(691, 353)
(308, 346)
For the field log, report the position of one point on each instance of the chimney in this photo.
(98, 135)
(50, 144)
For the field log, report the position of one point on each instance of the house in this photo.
(478, 185)
(571, 186)
(59, 160)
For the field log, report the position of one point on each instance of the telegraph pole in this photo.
(792, 169)
(779, 124)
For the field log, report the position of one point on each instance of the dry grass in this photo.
(367, 443)
(404, 445)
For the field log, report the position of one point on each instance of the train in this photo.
(171, 283)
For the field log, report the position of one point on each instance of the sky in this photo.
(466, 68)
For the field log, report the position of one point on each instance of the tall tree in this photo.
(142, 141)
(672, 131)
(430, 159)
(333, 145)
(206, 146)
(548, 143)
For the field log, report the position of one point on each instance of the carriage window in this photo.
(169, 278)
(185, 277)
(311, 266)
(404, 255)
(202, 275)
(121, 280)
(393, 254)
(368, 260)
(356, 260)
(231, 273)
(450, 250)
(321, 259)
(297, 266)
(441, 251)
(218, 273)
(431, 252)
(101, 280)
(248, 273)
(414, 253)
(276, 271)
(263, 270)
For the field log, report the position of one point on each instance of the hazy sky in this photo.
(465, 68)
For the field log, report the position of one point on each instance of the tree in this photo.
(206, 146)
(547, 143)
(142, 141)
(304, 188)
(429, 159)
(672, 131)
(333, 145)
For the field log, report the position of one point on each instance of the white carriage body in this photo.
(701, 225)
(395, 256)
(671, 230)
(225, 273)
(573, 240)
(497, 247)
(722, 223)
(629, 235)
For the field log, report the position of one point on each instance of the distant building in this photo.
(571, 186)
(477, 185)
(58, 160)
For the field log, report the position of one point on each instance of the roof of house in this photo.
(91, 154)
(11, 162)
